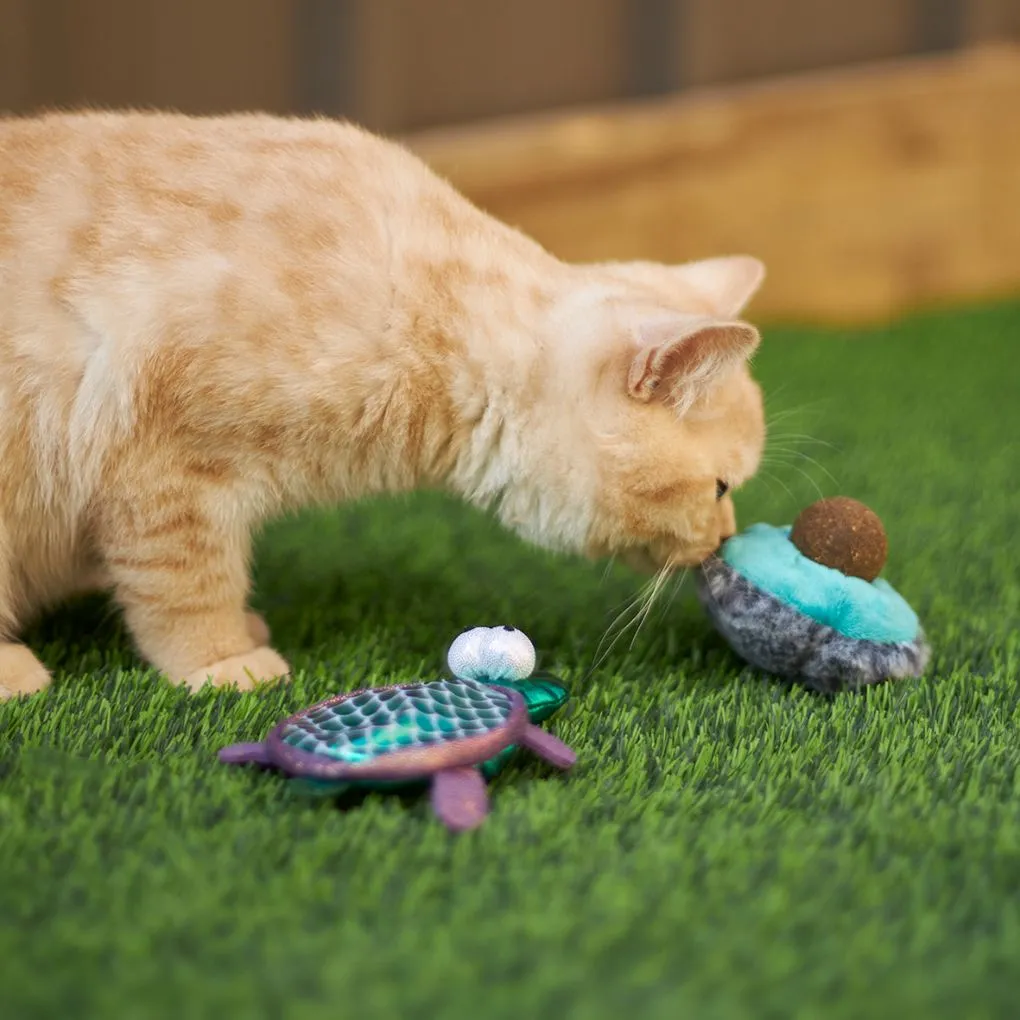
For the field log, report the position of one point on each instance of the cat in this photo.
(208, 321)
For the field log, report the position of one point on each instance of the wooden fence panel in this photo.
(194, 55)
(449, 61)
(16, 86)
(986, 20)
(732, 40)
(399, 65)
(866, 191)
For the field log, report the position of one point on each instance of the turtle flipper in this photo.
(459, 797)
(239, 754)
(546, 746)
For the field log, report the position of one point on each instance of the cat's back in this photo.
(157, 184)
(140, 249)
(116, 225)
(162, 162)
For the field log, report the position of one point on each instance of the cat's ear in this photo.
(678, 359)
(727, 283)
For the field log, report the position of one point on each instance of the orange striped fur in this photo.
(205, 322)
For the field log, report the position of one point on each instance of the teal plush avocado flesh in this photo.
(863, 610)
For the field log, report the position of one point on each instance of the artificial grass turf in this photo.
(727, 846)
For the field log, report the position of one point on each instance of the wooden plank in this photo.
(325, 35)
(866, 192)
(15, 48)
(461, 60)
(382, 65)
(732, 40)
(986, 20)
(654, 57)
(939, 25)
(191, 55)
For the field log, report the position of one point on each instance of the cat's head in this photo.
(656, 362)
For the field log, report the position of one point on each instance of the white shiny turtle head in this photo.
(491, 655)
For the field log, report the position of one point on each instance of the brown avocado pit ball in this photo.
(843, 534)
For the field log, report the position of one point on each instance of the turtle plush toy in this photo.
(453, 734)
(806, 602)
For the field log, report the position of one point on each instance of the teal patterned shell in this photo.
(375, 723)
(544, 695)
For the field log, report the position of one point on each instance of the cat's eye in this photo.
(721, 488)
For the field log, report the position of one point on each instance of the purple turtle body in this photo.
(440, 730)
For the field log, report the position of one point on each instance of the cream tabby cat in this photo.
(205, 322)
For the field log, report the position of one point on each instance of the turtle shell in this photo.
(400, 732)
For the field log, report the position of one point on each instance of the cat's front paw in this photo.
(20, 672)
(242, 671)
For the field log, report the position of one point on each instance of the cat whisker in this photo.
(779, 480)
(634, 614)
(764, 476)
(660, 579)
(603, 651)
(811, 480)
(779, 461)
(782, 415)
(678, 583)
(777, 456)
(821, 467)
(779, 416)
(796, 409)
(626, 614)
(773, 421)
(609, 566)
(791, 458)
(800, 470)
(787, 451)
(803, 437)
(792, 450)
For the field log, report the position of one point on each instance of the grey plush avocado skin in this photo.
(779, 639)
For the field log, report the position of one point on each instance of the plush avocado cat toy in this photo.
(806, 603)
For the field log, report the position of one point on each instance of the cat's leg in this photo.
(20, 671)
(178, 561)
(96, 579)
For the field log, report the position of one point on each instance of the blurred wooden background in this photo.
(867, 191)
(867, 150)
(402, 65)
